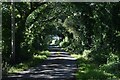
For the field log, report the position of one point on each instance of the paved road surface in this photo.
(59, 66)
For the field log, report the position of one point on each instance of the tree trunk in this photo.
(12, 33)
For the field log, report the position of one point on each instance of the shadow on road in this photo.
(59, 66)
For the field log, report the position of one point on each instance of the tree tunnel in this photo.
(80, 26)
(46, 24)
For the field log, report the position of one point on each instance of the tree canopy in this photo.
(81, 26)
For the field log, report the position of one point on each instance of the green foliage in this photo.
(111, 68)
(6, 27)
(64, 44)
(81, 26)
(89, 70)
(37, 58)
(47, 53)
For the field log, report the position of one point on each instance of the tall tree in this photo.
(12, 33)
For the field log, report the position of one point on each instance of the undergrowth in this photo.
(37, 59)
(89, 70)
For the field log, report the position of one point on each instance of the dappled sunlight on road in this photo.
(58, 66)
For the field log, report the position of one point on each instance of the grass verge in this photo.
(88, 70)
(37, 58)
